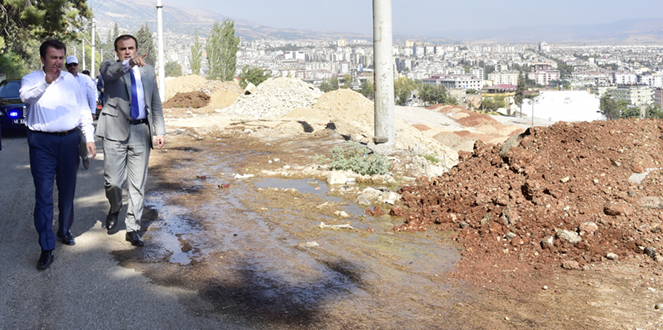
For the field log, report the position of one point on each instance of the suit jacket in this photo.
(115, 115)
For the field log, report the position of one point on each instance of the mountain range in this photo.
(131, 14)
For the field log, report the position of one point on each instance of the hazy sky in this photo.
(421, 16)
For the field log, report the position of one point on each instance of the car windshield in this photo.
(10, 89)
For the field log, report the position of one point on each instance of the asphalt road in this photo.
(85, 288)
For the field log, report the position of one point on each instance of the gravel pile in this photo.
(275, 98)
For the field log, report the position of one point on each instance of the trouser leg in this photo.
(43, 163)
(115, 161)
(137, 163)
(66, 179)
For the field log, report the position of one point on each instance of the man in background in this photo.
(56, 109)
(87, 88)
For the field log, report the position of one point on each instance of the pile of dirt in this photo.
(193, 100)
(568, 195)
(184, 84)
(353, 115)
(274, 98)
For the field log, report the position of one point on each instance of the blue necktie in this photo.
(134, 97)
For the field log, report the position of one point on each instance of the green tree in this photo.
(146, 44)
(173, 69)
(367, 89)
(520, 93)
(329, 85)
(403, 88)
(631, 112)
(488, 104)
(609, 108)
(253, 75)
(116, 33)
(196, 54)
(25, 24)
(654, 111)
(347, 81)
(222, 51)
(436, 94)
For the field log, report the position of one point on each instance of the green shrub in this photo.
(359, 159)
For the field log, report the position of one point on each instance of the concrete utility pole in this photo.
(160, 57)
(93, 75)
(83, 53)
(384, 73)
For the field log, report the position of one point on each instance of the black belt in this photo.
(63, 133)
(138, 121)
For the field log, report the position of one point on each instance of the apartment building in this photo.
(651, 80)
(501, 78)
(464, 81)
(657, 97)
(636, 95)
(477, 72)
(625, 78)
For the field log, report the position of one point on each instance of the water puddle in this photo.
(255, 244)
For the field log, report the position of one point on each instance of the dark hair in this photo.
(125, 37)
(87, 72)
(57, 44)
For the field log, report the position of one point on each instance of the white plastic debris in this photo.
(243, 176)
(335, 227)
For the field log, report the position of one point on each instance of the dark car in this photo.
(12, 109)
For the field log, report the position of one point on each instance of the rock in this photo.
(570, 264)
(638, 168)
(565, 179)
(613, 210)
(588, 228)
(658, 258)
(309, 244)
(547, 243)
(650, 251)
(336, 177)
(390, 197)
(510, 235)
(651, 202)
(510, 216)
(612, 256)
(464, 224)
(658, 306)
(569, 236)
(342, 214)
(486, 218)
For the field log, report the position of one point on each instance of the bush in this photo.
(359, 159)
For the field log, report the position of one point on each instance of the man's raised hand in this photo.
(138, 60)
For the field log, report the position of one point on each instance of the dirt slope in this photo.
(567, 184)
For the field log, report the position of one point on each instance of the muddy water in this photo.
(256, 253)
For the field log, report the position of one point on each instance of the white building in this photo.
(570, 106)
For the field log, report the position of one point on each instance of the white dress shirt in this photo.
(139, 88)
(58, 107)
(90, 90)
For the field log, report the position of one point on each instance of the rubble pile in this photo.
(353, 115)
(274, 98)
(570, 195)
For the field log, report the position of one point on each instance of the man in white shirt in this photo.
(56, 109)
(88, 89)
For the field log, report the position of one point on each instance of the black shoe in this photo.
(86, 162)
(111, 220)
(134, 238)
(45, 260)
(67, 239)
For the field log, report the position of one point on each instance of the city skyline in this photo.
(471, 15)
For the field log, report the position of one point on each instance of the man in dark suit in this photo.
(130, 117)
